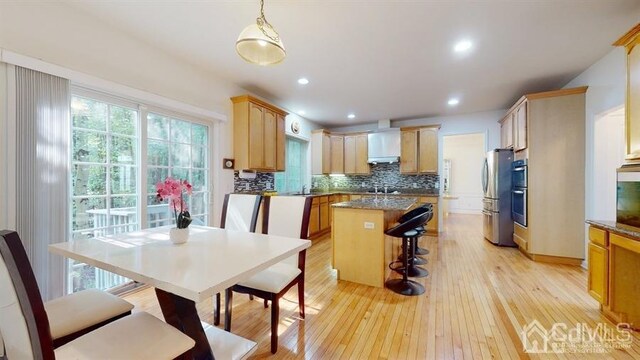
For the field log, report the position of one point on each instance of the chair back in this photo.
(23, 319)
(287, 216)
(400, 229)
(240, 212)
(415, 212)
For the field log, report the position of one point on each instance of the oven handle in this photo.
(519, 168)
(520, 192)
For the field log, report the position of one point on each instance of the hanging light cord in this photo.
(262, 23)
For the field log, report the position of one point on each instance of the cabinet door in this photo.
(314, 218)
(324, 215)
(326, 154)
(520, 122)
(506, 132)
(337, 154)
(256, 137)
(428, 155)
(633, 100)
(598, 273)
(280, 143)
(362, 154)
(269, 140)
(350, 154)
(432, 225)
(409, 151)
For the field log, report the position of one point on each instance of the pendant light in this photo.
(260, 43)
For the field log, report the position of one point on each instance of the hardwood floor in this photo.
(478, 299)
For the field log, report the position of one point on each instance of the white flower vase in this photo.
(179, 236)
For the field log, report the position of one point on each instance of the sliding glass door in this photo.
(113, 181)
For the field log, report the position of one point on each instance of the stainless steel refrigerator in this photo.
(496, 205)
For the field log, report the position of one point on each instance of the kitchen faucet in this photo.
(304, 189)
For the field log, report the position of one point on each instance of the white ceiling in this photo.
(385, 59)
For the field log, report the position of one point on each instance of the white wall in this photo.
(608, 154)
(466, 153)
(606, 79)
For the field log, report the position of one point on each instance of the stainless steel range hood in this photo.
(384, 146)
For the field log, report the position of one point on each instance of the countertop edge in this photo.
(615, 227)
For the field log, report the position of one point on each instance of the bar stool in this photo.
(405, 231)
(415, 249)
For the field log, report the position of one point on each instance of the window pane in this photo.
(89, 146)
(179, 173)
(158, 212)
(123, 212)
(88, 114)
(123, 179)
(180, 131)
(89, 180)
(123, 150)
(88, 213)
(198, 156)
(198, 204)
(157, 153)
(154, 176)
(199, 133)
(198, 180)
(157, 127)
(180, 155)
(123, 121)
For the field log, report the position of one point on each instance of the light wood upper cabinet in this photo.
(337, 154)
(349, 154)
(258, 135)
(270, 139)
(409, 151)
(280, 143)
(428, 150)
(320, 152)
(520, 127)
(632, 110)
(419, 150)
(506, 132)
(362, 154)
(356, 154)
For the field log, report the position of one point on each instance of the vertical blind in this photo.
(42, 143)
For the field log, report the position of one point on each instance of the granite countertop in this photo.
(616, 227)
(370, 203)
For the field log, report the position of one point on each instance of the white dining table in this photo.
(212, 260)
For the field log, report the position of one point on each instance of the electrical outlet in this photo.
(246, 186)
(369, 225)
(415, 185)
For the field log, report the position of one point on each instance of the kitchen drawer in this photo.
(521, 236)
(324, 199)
(332, 198)
(315, 201)
(598, 236)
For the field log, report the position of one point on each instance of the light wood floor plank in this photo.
(478, 298)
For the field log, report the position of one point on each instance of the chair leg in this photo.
(301, 297)
(266, 303)
(275, 314)
(228, 299)
(216, 311)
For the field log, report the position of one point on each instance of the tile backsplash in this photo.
(263, 181)
(381, 175)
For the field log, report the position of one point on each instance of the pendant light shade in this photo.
(260, 43)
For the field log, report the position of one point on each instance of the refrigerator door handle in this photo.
(485, 175)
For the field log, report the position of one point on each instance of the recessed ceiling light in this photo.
(303, 81)
(462, 46)
(351, 116)
(301, 112)
(453, 102)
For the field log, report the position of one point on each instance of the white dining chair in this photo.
(239, 213)
(286, 216)
(24, 323)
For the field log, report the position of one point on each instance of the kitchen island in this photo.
(361, 250)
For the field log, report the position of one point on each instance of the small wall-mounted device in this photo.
(228, 163)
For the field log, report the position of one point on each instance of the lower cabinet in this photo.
(324, 214)
(432, 225)
(598, 283)
(314, 217)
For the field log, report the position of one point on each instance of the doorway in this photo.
(608, 155)
(463, 156)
